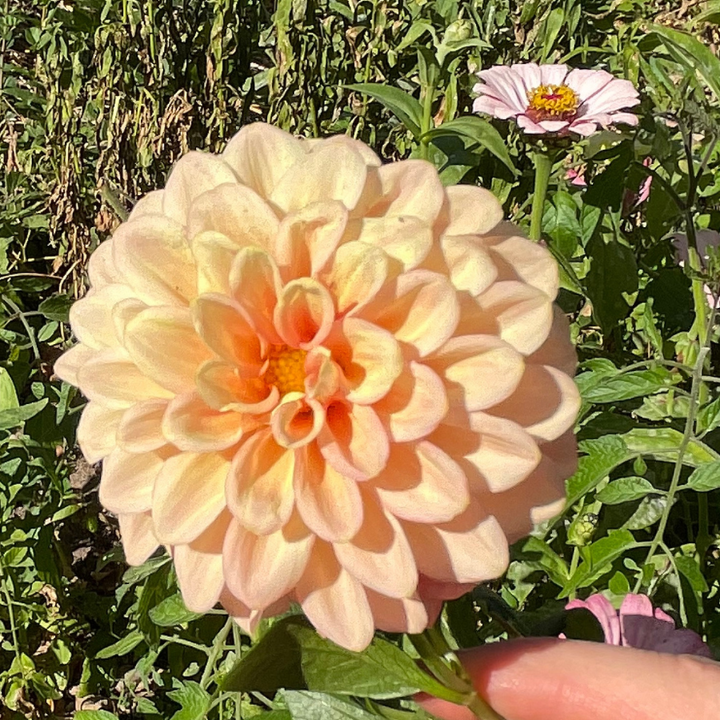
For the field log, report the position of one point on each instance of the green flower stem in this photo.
(215, 651)
(428, 97)
(543, 165)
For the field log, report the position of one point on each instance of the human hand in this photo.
(551, 679)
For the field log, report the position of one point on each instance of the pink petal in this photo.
(602, 609)
(506, 85)
(530, 126)
(127, 481)
(557, 350)
(405, 615)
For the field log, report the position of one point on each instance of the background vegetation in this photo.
(99, 97)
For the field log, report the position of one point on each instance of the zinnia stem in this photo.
(543, 166)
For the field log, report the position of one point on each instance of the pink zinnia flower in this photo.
(321, 380)
(637, 624)
(554, 99)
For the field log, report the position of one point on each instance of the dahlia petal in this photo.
(140, 429)
(113, 379)
(222, 387)
(261, 569)
(404, 615)
(192, 426)
(259, 490)
(261, 154)
(557, 350)
(326, 173)
(370, 158)
(415, 405)
(334, 601)
(138, 538)
(379, 555)
(182, 506)
(322, 375)
(422, 484)
(164, 345)
(194, 173)
(68, 365)
(127, 481)
(214, 254)
(91, 318)
(97, 431)
(150, 204)
(404, 238)
(308, 238)
(471, 267)
(122, 313)
(357, 273)
(469, 549)
(471, 210)
(545, 403)
(255, 284)
(369, 357)
(223, 325)
(235, 211)
(296, 421)
(101, 268)
(349, 434)
(479, 370)
(328, 502)
(304, 313)
(153, 256)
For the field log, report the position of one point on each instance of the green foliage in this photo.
(99, 98)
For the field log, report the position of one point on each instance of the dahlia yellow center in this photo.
(552, 102)
(286, 369)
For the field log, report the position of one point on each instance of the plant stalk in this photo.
(543, 165)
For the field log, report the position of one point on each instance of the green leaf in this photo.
(705, 478)
(647, 514)
(689, 567)
(625, 490)
(172, 611)
(291, 655)
(619, 584)
(8, 395)
(122, 646)
(195, 701)
(304, 705)
(56, 307)
(663, 443)
(630, 385)
(13, 417)
(407, 109)
(564, 228)
(94, 715)
(479, 131)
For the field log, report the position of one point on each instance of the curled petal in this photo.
(296, 421)
(122, 313)
(406, 239)
(127, 481)
(68, 365)
(470, 210)
(140, 429)
(222, 387)
(91, 317)
(260, 485)
(183, 506)
(97, 432)
(214, 254)
(138, 538)
(322, 375)
(470, 265)
(304, 313)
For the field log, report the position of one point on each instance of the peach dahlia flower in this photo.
(320, 380)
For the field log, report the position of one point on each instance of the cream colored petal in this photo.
(249, 620)
(405, 615)
(379, 555)
(223, 388)
(195, 173)
(329, 503)
(189, 495)
(308, 237)
(101, 266)
(154, 257)
(423, 484)
(296, 421)
(261, 569)
(261, 154)
(354, 441)
(255, 284)
(471, 210)
(235, 211)
(68, 365)
(90, 317)
(369, 357)
(521, 313)
(415, 405)
(355, 275)
(370, 158)
(149, 204)
(322, 375)
(260, 485)
(214, 254)
(469, 549)
(480, 370)
(471, 266)
(113, 379)
(419, 308)
(527, 261)
(558, 350)
(334, 601)
(224, 327)
(140, 429)
(545, 403)
(191, 425)
(127, 481)
(138, 539)
(304, 313)
(122, 313)
(165, 346)
(404, 238)
(325, 173)
(97, 431)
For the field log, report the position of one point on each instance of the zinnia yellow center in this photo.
(286, 369)
(552, 102)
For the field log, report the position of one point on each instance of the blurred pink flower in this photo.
(637, 624)
(554, 99)
(705, 241)
(576, 177)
